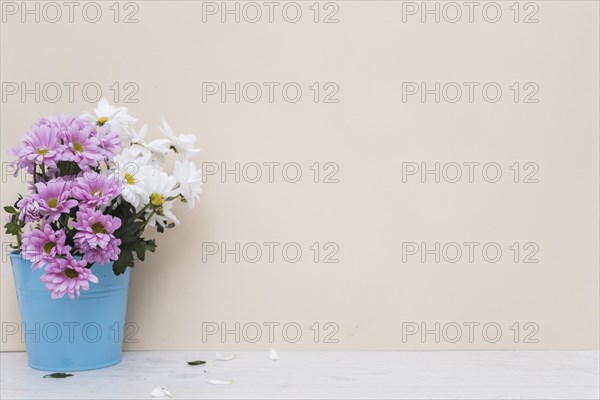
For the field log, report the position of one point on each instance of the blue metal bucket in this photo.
(71, 335)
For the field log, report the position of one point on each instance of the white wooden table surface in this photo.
(306, 375)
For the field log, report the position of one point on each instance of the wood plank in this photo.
(310, 375)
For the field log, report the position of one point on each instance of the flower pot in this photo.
(65, 335)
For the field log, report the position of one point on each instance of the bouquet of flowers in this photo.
(97, 185)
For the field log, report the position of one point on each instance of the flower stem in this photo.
(63, 223)
(146, 222)
(142, 211)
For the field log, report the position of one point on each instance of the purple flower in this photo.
(40, 146)
(101, 256)
(29, 210)
(42, 246)
(67, 276)
(59, 121)
(95, 189)
(95, 236)
(53, 198)
(63, 123)
(82, 146)
(78, 137)
(110, 141)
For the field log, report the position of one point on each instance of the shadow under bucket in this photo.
(66, 335)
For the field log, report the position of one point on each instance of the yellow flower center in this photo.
(102, 120)
(78, 147)
(129, 179)
(41, 151)
(48, 247)
(156, 199)
(98, 228)
(52, 203)
(93, 193)
(71, 273)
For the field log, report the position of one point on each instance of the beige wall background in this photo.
(371, 296)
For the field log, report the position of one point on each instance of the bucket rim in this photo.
(17, 253)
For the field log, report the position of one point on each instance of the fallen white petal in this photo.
(220, 382)
(224, 357)
(161, 393)
(273, 355)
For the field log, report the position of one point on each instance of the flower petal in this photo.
(224, 357)
(220, 382)
(273, 355)
(161, 393)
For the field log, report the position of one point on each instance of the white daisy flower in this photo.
(118, 117)
(189, 179)
(161, 190)
(132, 171)
(165, 217)
(156, 149)
(161, 185)
(181, 144)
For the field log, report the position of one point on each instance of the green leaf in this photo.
(13, 228)
(58, 375)
(150, 245)
(135, 245)
(125, 260)
(68, 168)
(129, 232)
(197, 362)
(10, 210)
(141, 246)
(125, 211)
